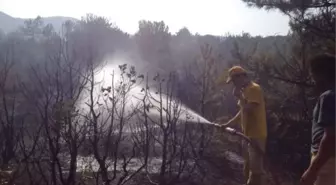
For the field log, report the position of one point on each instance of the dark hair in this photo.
(323, 65)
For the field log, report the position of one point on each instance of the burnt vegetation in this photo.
(59, 126)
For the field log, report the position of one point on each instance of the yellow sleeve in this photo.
(254, 95)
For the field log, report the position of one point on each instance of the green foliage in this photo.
(153, 41)
(288, 6)
(32, 26)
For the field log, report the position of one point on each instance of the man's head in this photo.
(323, 70)
(238, 76)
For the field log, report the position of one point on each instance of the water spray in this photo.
(185, 116)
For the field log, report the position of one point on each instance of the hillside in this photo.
(9, 23)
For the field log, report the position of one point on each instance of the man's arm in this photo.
(252, 99)
(326, 149)
(327, 120)
(235, 119)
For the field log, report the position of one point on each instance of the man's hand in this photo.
(226, 124)
(217, 125)
(308, 177)
(220, 123)
(325, 152)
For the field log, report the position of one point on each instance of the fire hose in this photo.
(267, 163)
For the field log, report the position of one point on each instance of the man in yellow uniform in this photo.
(252, 116)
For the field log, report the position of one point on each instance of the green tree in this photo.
(95, 36)
(48, 30)
(184, 48)
(153, 41)
(33, 27)
(312, 19)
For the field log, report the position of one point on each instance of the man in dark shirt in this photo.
(322, 167)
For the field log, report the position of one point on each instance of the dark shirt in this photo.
(323, 117)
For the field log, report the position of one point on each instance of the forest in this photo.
(61, 125)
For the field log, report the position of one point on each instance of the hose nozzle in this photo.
(230, 130)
